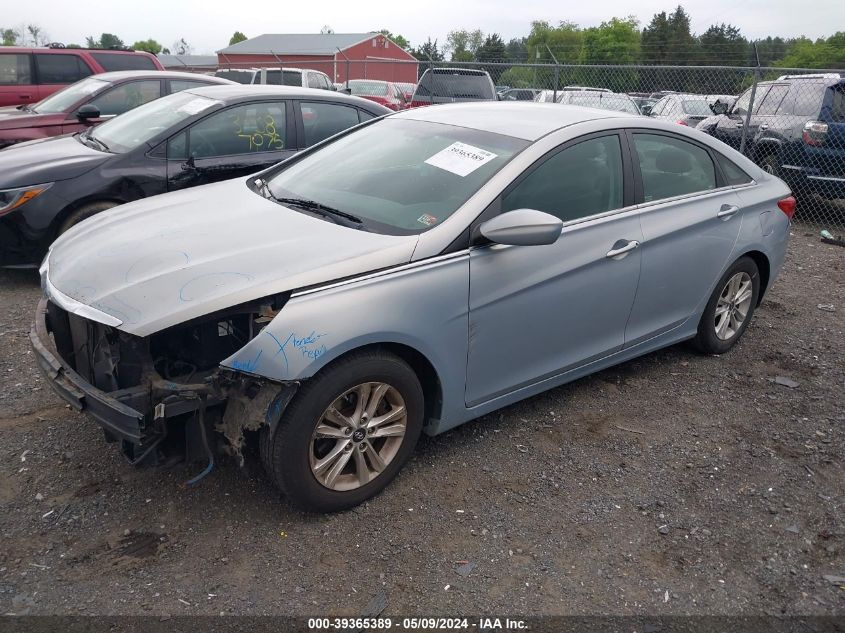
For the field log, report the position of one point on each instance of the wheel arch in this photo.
(76, 205)
(419, 363)
(766, 147)
(765, 269)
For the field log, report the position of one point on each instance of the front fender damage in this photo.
(250, 404)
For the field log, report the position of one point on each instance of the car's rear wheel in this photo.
(347, 433)
(85, 212)
(730, 308)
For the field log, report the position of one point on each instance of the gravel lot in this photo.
(673, 484)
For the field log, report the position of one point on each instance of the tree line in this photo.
(34, 35)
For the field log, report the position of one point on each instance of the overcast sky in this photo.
(207, 25)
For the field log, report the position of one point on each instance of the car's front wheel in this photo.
(730, 308)
(347, 433)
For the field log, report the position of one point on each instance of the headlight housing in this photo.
(11, 199)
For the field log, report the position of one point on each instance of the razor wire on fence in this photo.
(790, 121)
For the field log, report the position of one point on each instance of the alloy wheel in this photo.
(733, 305)
(357, 436)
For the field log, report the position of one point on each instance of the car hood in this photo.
(47, 160)
(159, 262)
(11, 118)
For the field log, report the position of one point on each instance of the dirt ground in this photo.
(673, 484)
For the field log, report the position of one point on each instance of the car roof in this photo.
(120, 75)
(234, 92)
(526, 120)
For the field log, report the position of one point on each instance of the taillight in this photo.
(814, 132)
(787, 205)
(682, 123)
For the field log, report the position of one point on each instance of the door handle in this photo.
(619, 253)
(727, 211)
(25, 96)
(739, 123)
(763, 126)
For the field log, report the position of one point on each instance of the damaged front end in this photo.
(164, 395)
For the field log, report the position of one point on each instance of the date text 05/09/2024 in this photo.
(415, 624)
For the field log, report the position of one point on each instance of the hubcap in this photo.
(734, 303)
(357, 436)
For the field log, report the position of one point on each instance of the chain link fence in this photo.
(790, 121)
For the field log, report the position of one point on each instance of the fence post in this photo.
(557, 73)
(750, 103)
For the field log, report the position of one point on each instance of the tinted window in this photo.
(178, 85)
(123, 61)
(605, 102)
(773, 99)
(14, 70)
(837, 103)
(322, 120)
(60, 69)
(273, 77)
(363, 115)
(456, 85)
(580, 181)
(733, 174)
(292, 78)
(127, 96)
(672, 167)
(245, 129)
(177, 147)
(808, 98)
(369, 88)
(239, 76)
(697, 107)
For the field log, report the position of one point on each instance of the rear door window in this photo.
(123, 61)
(292, 78)
(671, 167)
(837, 103)
(127, 96)
(322, 120)
(15, 69)
(60, 69)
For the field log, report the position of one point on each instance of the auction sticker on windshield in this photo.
(461, 159)
(194, 106)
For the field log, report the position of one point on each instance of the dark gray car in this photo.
(449, 85)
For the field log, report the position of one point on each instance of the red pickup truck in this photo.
(28, 75)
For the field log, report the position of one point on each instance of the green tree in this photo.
(823, 53)
(150, 46)
(37, 35)
(545, 44)
(107, 40)
(463, 44)
(518, 77)
(769, 50)
(614, 42)
(237, 36)
(427, 52)
(492, 50)
(656, 40)
(397, 39)
(516, 50)
(725, 43)
(682, 43)
(9, 37)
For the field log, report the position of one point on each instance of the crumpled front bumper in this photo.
(118, 418)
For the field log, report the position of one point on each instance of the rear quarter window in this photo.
(837, 103)
(60, 69)
(15, 69)
(123, 61)
(734, 175)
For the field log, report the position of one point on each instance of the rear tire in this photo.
(85, 212)
(730, 308)
(319, 461)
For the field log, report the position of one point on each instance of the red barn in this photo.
(341, 56)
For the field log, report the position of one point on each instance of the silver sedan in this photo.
(406, 276)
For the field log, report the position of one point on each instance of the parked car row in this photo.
(28, 75)
(300, 77)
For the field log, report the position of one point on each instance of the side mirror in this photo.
(719, 108)
(88, 111)
(523, 227)
(646, 110)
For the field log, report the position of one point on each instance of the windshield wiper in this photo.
(321, 209)
(94, 142)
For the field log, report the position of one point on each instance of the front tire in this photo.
(730, 308)
(347, 432)
(85, 212)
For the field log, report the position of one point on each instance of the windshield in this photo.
(413, 176)
(62, 100)
(369, 88)
(696, 107)
(129, 130)
(605, 102)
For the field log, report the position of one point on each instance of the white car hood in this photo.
(159, 262)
